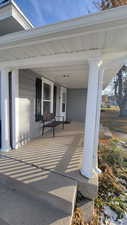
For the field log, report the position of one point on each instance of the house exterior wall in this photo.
(76, 104)
(28, 127)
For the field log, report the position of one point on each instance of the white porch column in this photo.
(5, 128)
(15, 108)
(92, 117)
(99, 100)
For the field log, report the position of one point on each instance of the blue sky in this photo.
(42, 12)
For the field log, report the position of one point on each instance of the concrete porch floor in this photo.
(61, 154)
(47, 169)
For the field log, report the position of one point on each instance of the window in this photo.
(46, 98)
(46, 107)
(38, 99)
(47, 91)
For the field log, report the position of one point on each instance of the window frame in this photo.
(51, 84)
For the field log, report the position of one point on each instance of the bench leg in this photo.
(43, 130)
(53, 130)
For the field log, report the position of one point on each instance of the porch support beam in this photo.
(51, 60)
(4, 107)
(92, 121)
(15, 108)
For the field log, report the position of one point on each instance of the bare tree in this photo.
(108, 4)
(120, 90)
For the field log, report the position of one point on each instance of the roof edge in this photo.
(12, 3)
(21, 13)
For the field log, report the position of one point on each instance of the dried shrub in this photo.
(77, 219)
(108, 182)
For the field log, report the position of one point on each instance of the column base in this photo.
(87, 174)
(5, 149)
(98, 171)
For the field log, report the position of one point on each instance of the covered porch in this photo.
(76, 56)
(83, 53)
(24, 103)
(50, 167)
(61, 154)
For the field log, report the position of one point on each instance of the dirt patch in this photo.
(77, 219)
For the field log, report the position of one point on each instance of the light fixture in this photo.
(66, 75)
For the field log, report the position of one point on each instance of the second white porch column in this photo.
(5, 129)
(100, 86)
(15, 108)
(91, 117)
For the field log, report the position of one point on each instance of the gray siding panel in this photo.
(76, 104)
(29, 128)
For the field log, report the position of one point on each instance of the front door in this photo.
(63, 102)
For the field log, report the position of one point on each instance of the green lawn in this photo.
(111, 119)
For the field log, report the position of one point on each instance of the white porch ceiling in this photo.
(70, 76)
(74, 75)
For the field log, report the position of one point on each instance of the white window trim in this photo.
(45, 81)
(63, 90)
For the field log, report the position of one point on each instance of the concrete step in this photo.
(57, 190)
(45, 187)
(18, 208)
(86, 207)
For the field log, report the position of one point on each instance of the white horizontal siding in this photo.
(29, 128)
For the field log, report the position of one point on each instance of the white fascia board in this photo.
(20, 17)
(116, 17)
(10, 9)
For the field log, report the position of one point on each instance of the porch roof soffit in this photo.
(68, 43)
(92, 34)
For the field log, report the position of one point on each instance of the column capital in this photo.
(96, 60)
(3, 69)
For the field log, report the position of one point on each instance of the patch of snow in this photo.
(122, 181)
(109, 217)
(124, 220)
(110, 213)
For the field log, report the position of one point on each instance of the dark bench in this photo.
(49, 120)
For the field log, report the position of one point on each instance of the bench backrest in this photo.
(48, 117)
